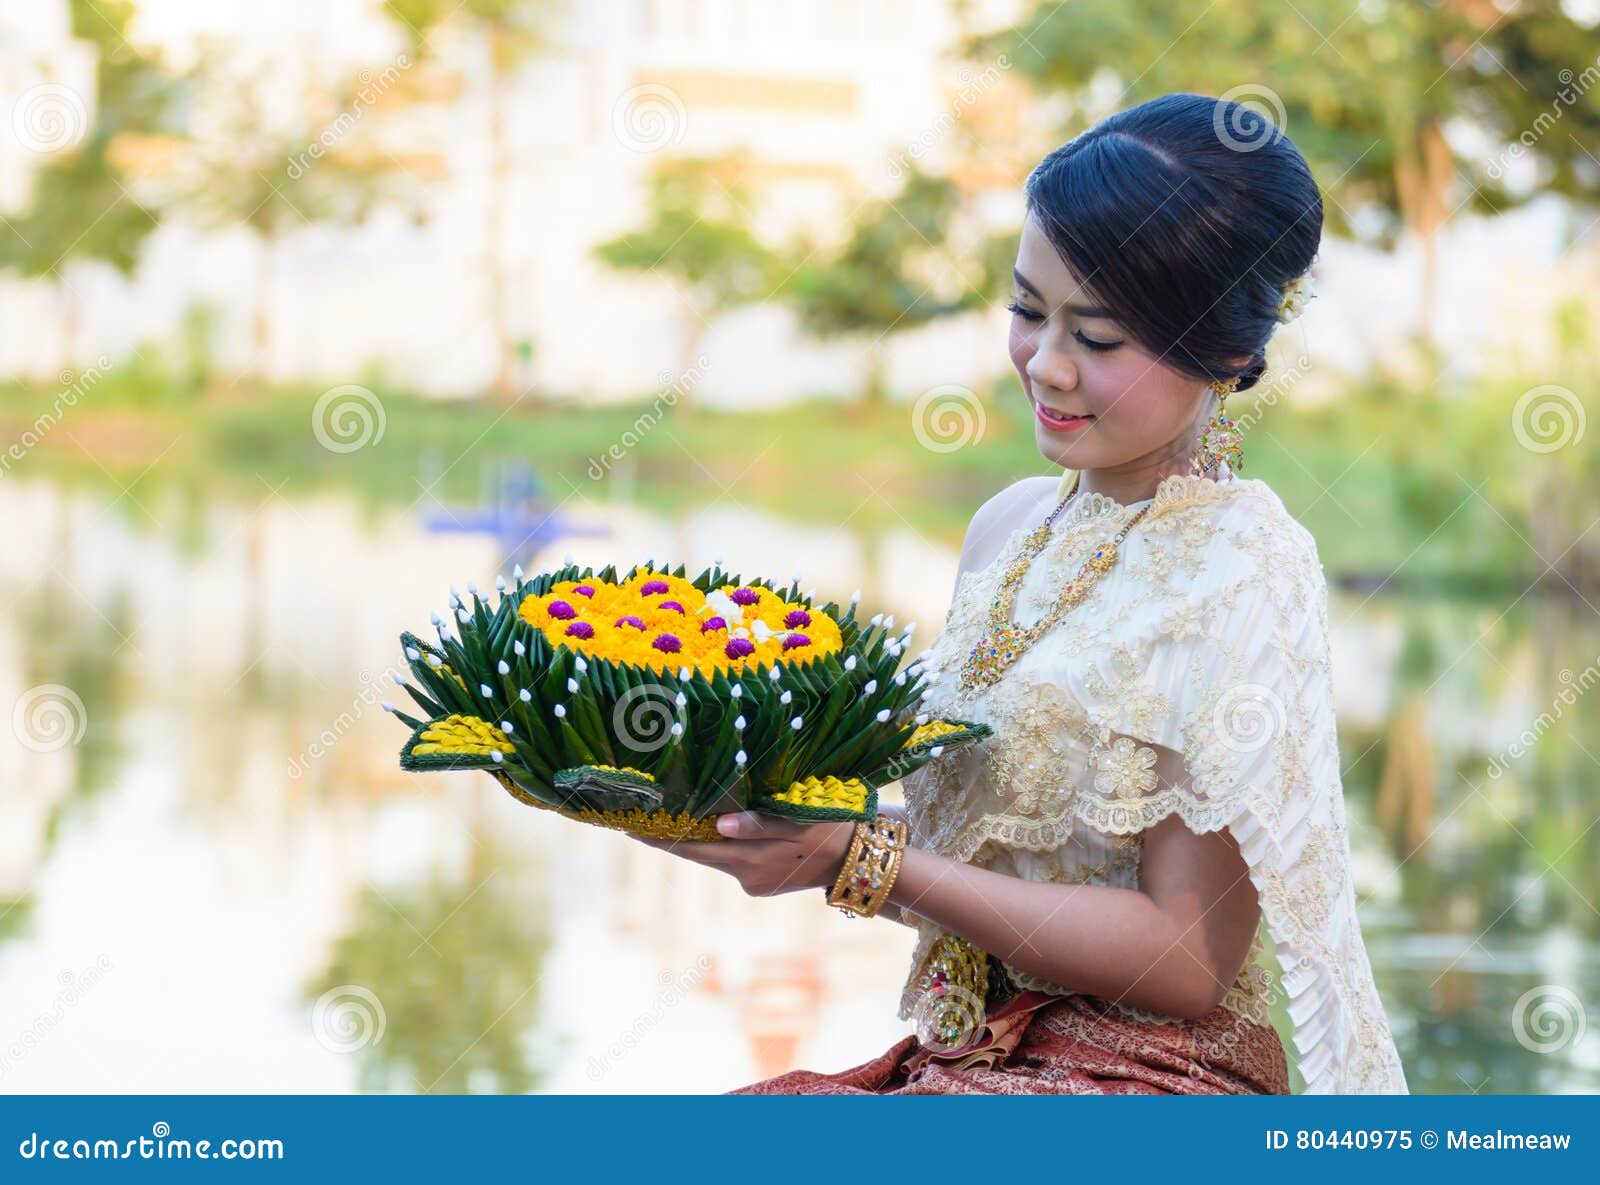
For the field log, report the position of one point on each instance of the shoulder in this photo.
(1001, 515)
(1244, 538)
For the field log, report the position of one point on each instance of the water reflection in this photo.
(232, 840)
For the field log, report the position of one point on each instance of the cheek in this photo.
(1021, 344)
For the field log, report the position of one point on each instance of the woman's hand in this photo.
(768, 855)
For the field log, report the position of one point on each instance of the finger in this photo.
(755, 825)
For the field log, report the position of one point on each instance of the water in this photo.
(225, 883)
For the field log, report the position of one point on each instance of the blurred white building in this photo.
(830, 99)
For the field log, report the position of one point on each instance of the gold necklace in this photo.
(1005, 641)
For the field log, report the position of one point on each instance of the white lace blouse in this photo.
(1209, 636)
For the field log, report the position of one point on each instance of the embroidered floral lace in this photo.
(1209, 638)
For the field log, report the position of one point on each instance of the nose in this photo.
(1052, 368)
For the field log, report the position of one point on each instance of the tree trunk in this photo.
(261, 320)
(504, 381)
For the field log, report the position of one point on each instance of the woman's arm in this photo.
(1173, 946)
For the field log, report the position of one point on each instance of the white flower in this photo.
(1297, 293)
(1126, 770)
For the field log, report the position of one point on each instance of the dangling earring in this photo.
(1221, 440)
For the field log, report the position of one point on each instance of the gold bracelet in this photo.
(870, 867)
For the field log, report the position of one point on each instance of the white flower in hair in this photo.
(1297, 293)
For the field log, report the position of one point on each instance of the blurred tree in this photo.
(511, 31)
(81, 208)
(895, 270)
(274, 167)
(1390, 102)
(697, 235)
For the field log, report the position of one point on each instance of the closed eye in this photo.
(1091, 343)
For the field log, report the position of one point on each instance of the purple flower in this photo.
(562, 611)
(580, 629)
(739, 647)
(654, 586)
(629, 619)
(744, 596)
(671, 605)
(712, 623)
(794, 641)
(668, 643)
(796, 618)
(586, 590)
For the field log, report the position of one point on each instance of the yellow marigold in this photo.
(933, 728)
(462, 734)
(663, 622)
(850, 794)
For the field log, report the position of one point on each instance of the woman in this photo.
(1088, 883)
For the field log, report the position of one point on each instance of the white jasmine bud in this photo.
(496, 756)
(739, 757)
(519, 649)
(483, 690)
(503, 667)
(786, 697)
(572, 685)
(872, 686)
(561, 711)
(796, 723)
(386, 706)
(505, 727)
(525, 696)
(413, 653)
(739, 724)
(850, 663)
(883, 716)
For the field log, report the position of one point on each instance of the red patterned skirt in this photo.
(1037, 1043)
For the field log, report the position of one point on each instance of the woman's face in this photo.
(1130, 412)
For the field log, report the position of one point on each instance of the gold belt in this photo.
(959, 983)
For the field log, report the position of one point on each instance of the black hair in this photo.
(1185, 217)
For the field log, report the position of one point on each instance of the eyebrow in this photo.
(1077, 310)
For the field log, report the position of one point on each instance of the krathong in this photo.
(652, 703)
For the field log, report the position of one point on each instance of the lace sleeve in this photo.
(1236, 677)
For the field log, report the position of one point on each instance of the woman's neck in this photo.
(1133, 482)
